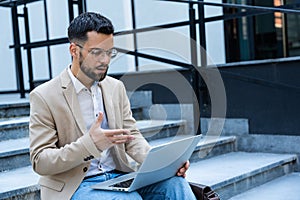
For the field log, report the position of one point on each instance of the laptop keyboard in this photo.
(124, 184)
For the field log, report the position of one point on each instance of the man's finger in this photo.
(122, 137)
(118, 139)
(99, 118)
(182, 170)
(187, 164)
(98, 121)
(121, 141)
(181, 174)
(113, 132)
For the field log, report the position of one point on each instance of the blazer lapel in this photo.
(72, 100)
(108, 103)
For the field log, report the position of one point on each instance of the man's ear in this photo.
(73, 49)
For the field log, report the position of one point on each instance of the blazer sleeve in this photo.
(47, 157)
(139, 147)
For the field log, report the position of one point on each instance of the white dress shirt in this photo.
(91, 103)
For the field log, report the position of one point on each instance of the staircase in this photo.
(215, 162)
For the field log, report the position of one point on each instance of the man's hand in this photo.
(183, 169)
(106, 138)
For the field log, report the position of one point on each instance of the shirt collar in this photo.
(77, 84)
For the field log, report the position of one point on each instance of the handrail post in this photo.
(17, 50)
(29, 55)
(195, 74)
(71, 10)
(81, 6)
(202, 88)
(202, 34)
(48, 37)
(136, 59)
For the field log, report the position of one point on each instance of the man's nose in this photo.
(103, 58)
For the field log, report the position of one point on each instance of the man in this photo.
(81, 126)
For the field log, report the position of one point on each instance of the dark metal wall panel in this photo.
(267, 94)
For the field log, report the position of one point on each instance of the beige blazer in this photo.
(60, 148)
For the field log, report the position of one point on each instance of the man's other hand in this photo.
(106, 138)
(183, 169)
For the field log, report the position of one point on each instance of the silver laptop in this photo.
(162, 162)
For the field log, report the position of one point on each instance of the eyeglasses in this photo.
(98, 52)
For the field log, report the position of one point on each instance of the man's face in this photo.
(94, 56)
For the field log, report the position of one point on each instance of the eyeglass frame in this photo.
(111, 53)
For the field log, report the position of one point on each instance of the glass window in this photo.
(263, 36)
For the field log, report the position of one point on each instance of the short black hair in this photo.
(86, 22)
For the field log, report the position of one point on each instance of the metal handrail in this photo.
(197, 82)
(283, 9)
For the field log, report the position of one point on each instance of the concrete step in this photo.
(20, 183)
(206, 148)
(139, 101)
(15, 108)
(12, 106)
(156, 129)
(28, 188)
(14, 114)
(13, 128)
(212, 146)
(283, 188)
(237, 172)
(14, 154)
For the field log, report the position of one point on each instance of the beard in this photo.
(89, 71)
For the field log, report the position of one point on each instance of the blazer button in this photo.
(85, 159)
(91, 157)
(85, 169)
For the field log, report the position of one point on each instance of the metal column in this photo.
(195, 74)
(17, 49)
